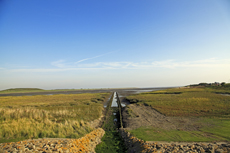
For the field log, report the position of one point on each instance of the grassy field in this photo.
(62, 116)
(219, 131)
(30, 90)
(204, 103)
(186, 102)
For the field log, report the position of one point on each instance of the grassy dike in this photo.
(111, 141)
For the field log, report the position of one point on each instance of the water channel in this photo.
(114, 102)
(112, 141)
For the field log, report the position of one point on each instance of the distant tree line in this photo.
(215, 84)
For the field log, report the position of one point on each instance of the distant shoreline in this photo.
(78, 91)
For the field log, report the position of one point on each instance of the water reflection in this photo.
(225, 94)
(123, 105)
(139, 91)
(114, 102)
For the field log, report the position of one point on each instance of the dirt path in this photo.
(135, 116)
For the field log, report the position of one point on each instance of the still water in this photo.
(114, 102)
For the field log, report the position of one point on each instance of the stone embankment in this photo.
(136, 145)
(85, 144)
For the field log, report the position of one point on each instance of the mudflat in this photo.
(122, 91)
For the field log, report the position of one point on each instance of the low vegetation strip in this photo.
(111, 141)
(84, 144)
(137, 145)
(34, 90)
(202, 135)
(21, 90)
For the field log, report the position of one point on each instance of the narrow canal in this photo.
(112, 141)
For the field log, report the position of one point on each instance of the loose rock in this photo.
(85, 144)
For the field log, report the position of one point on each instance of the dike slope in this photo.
(85, 144)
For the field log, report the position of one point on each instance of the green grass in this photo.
(111, 141)
(157, 134)
(218, 131)
(204, 103)
(186, 102)
(12, 140)
(220, 128)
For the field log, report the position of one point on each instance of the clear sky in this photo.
(54, 44)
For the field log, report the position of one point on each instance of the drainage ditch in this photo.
(112, 141)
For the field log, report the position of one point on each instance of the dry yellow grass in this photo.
(64, 116)
(46, 100)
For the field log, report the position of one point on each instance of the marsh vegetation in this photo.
(197, 114)
(56, 116)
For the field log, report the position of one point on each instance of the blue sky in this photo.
(103, 44)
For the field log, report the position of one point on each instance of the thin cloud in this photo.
(59, 63)
(63, 65)
(91, 58)
(170, 64)
(212, 62)
(51, 70)
(160, 64)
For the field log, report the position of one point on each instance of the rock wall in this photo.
(136, 145)
(85, 144)
(133, 144)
